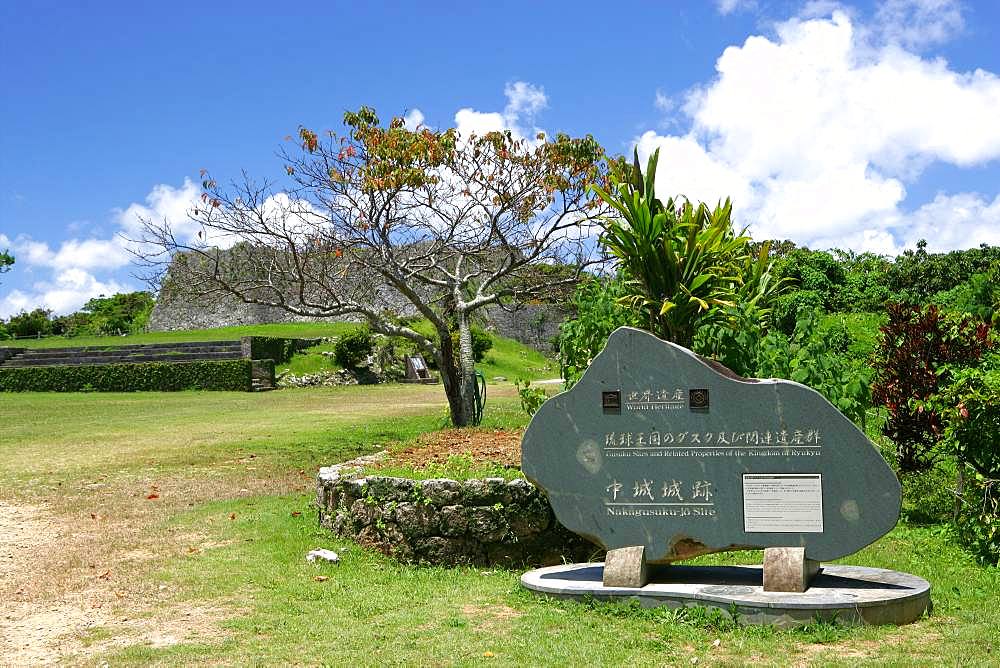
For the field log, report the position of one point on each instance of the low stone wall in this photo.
(447, 522)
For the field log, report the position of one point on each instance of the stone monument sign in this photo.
(656, 448)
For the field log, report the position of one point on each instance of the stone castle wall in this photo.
(532, 324)
(447, 522)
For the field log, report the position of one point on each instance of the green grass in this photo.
(382, 612)
(511, 360)
(234, 475)
(303, 330)
(456, 467)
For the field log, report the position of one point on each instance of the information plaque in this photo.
(783, 503)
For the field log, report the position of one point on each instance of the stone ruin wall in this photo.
(532, 324)
(448, 522)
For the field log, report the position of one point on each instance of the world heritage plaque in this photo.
(659, 449)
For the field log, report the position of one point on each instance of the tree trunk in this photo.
(959, 490)
(457, 373)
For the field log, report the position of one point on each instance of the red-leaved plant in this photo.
(913, 348)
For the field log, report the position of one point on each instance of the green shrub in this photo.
(482, 343)
(806, 358)
(273, 348)
(683, 262)
(124, 313)
(598, 313)
(978, 521)
(969, 409)
(929, 496)
(787, 308)
(838, 337)
(532, 398)
(353, 348)
(148, 376)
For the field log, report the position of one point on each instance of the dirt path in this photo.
(86, 614)
(32, 631)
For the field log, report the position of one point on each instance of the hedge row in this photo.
(277, 348)
(148, 376)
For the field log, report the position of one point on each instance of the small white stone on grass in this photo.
(323, 555)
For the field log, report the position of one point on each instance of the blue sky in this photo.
(860, 125)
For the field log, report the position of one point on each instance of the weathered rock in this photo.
(486, 492)
(520, 491)
(441, 491)
(454, 521)
(487, 524)
(529, 519)
(415, 519)
(389, 489)
(441, 550)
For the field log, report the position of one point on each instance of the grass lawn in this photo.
(303, 330)
(171, 529)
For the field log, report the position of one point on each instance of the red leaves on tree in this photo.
(310, 140)
(914, 347)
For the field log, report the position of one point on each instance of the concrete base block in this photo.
(787, 569)
(626, 567)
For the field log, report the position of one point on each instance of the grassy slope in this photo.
(227, 470)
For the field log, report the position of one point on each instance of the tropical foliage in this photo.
(684, 263)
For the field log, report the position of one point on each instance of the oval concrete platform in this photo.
(847, 594)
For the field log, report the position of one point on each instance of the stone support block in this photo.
(786, 569)
(626, 567)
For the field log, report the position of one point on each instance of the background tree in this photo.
(6, 261)
(121, 313)
(383, 216)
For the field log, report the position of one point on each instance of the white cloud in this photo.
(164, 203)
(815, 135)
(73, 253)
(915, 24)
(79, 269)
(413, 119)
(524, 101)
(664, 102)
(727, 7)
(66, 292)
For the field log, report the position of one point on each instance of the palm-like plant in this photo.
(685, 263)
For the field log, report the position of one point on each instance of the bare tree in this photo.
(382, 214)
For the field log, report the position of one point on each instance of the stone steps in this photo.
(99, 354)
(190, 346)
(187, 351)
(133, 358)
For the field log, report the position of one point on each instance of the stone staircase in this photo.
(126, 354)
